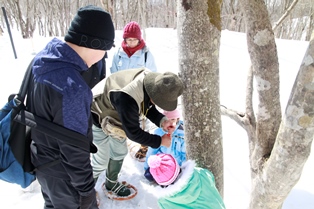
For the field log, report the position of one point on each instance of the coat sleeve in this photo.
(128, 112)
(154, 115)
(76, 116)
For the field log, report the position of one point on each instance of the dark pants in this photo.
(149, 176)
(58, 193)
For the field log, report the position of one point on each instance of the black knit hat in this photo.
(164, 89)
(91, 27)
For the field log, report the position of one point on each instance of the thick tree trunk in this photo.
(275, 169)
(263, 54)
(293, 145)
(199, 31)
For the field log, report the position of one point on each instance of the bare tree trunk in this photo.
(199, 31)
(232, 17)
(263, 54)
(60, 14)
(174, 15)
(311, 25)
(21, 22)
(123, 16)
(274, 152)
(140, 18)
(293, 145)
(65, 25)
(108, 6)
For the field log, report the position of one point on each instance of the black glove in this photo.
(89, 201)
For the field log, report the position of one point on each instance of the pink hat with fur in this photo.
(164, 168)
(172, 114)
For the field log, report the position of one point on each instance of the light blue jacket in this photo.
(177, 148)
(121, 61)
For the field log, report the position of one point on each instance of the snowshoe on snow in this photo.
(113, 194)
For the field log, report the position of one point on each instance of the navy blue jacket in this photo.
(60, 94)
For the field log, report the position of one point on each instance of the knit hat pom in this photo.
(154, 161)
(163, 168)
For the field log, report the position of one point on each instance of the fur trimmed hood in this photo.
(194, 188)
(184, 177)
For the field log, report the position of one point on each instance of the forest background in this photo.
(291, 19)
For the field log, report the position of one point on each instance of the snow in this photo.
(234, 63)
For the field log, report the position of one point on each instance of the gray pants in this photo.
(108, 148)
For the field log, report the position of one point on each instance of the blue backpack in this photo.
(11, 168)
(15, 126)
(15, 162)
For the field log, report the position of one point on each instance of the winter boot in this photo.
(111, 183)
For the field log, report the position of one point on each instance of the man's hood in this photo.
(53, 57)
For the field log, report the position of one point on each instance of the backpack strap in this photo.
(53, 130)
(119, 53)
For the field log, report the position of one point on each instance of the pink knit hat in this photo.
(164, 168)
(172, 114)
(132, 30)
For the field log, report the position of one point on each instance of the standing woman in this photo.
(134, 53)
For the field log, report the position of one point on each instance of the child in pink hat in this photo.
(177, 148)
(164, 168)
(185, 186)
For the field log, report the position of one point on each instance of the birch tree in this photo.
(199, 31)
(279, 147)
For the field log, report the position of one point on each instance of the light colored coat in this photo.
(131, 83)
(121, 61)
(177, 148)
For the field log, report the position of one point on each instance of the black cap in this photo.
(91, 27)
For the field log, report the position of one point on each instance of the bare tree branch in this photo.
(249, 97)
(285, 14)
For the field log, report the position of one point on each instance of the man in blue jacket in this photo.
(59, 94)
